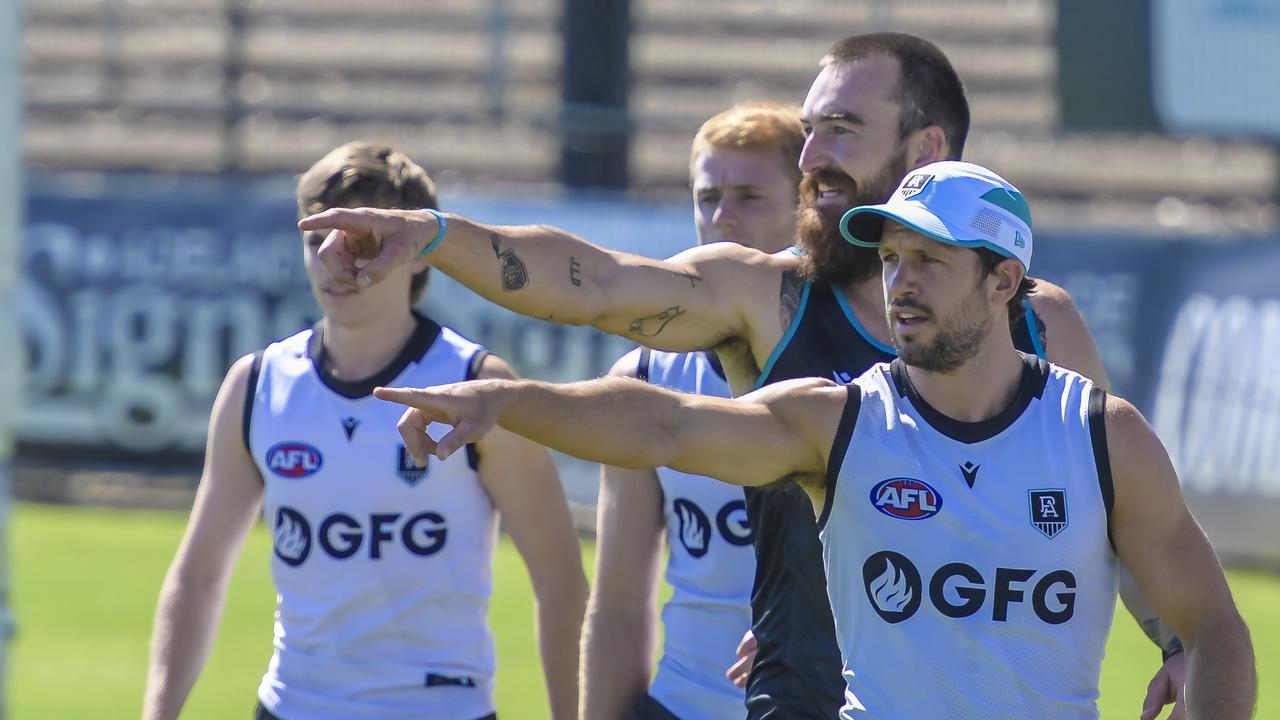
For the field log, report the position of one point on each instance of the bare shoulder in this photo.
(805, 402)
(1066, 337)
(1139, 461)
(493, 367)
(628, 365)
(772, 286)
(763, 288)
(728, 257)
(1053, 302)
(1125, 423)
(235, 386)
(227, 419)
(797, 390)
(239, 371)
(811, 408)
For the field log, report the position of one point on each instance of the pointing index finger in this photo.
(335, 219)
(401, 395)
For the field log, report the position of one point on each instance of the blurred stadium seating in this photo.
(209, 85)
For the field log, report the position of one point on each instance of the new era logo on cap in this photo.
(966, 205)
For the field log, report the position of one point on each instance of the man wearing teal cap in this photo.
(986, 593)
(967, 211)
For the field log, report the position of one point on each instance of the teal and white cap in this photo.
(952, 202)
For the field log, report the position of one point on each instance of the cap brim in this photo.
(862, 226)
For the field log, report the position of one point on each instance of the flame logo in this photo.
(695, 529)
(292, 536)
(890, 590)
(893, 585)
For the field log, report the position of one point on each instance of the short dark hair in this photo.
(364, 174)
(989, 259)
(929, 90)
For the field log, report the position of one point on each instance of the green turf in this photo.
(85, 582)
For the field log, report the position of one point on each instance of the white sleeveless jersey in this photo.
(710, 567)
(382, 567)
(969, 565)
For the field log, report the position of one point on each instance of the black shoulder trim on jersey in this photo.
(473, 371)
(642, 365)
(1035, 376)
(1035, 371)
(1101, 456)
(423, 337)
(714, 361)
(473, 365)
(251, 389)
(766, 373)
(844, 433)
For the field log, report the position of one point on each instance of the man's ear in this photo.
(926, 145)
(1008, 275)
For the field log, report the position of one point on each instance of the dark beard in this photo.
(828, 257)
(958, 339)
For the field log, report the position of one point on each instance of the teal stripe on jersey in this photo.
(853, 320)
(786, 339)
(1030, 316)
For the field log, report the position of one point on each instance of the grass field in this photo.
(85, 582)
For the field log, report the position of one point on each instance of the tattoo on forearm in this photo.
(789, 298)
(575, 272)
(653, 324)
(514, 274)
(693, 279)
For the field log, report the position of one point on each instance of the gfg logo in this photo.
(341, 536)
(294, 460)
(906, 499)
(732, 523)
(957, 590)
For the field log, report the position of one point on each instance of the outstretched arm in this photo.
(1164, 547)
(779, 431)
(695, 300)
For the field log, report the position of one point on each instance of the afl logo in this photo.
(294, 460)
(906, 499)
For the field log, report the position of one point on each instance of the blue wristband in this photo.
(435, 242)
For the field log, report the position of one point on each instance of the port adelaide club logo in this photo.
(914, 185)
(1048, 511)
(408, 469)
